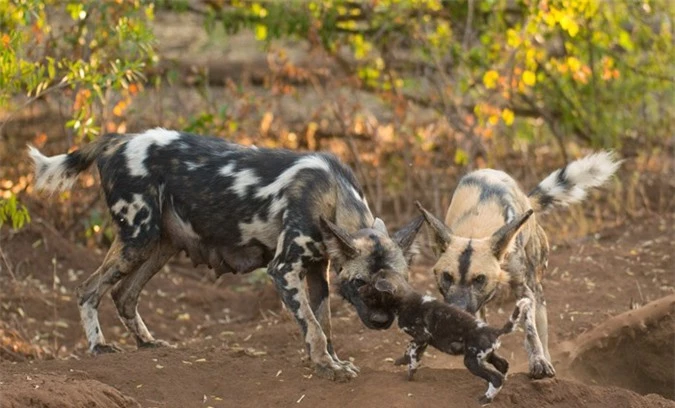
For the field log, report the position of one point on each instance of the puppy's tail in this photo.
(522, 307)
(58, 173)
(571, 183)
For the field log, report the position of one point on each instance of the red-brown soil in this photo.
(237, 347)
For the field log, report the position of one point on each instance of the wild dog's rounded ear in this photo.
(383, 285)
(442, 236)
(339, 244)
(405, 237)
(378, 225)
(502, 238)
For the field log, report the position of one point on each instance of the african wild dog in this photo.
(444, 326)
(235, 209)
(477, 261)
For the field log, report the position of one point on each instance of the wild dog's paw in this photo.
(105, 349)
(483, 400)
(403, 360)
(155, 344)
(349, 366)
(335, 372)
(541, 368)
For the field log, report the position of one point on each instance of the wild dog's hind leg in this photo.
(498, 362)
(476, 364)
(319, 300)
(116, 264)
(126, 293)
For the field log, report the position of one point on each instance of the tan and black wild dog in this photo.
(482, 254)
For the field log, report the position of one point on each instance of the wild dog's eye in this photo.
(358, 282)
(448, 279)
(479, 280)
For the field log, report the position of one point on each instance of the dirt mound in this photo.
(217, 376)
(55, 391)
(634, 350)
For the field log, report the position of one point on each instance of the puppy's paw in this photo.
(411, 373)
(349, 366)
(541, 368)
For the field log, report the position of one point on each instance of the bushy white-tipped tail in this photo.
(571, 183)
(52, 173)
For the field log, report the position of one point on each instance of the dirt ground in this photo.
(237, 347)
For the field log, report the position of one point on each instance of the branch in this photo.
(11, 117)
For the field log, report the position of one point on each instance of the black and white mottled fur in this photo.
(445, 327)
(235, 209)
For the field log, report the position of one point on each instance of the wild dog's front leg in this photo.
(541, 320)
(319, 299)
(288, 277)
(540, 365)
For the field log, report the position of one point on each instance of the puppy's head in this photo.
(387, 290)
(468, 271)
(360, 256)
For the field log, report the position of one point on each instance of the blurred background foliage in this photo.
(412, 93)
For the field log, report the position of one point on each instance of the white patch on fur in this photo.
(192, 166)
(524, 305)
(492, 392)
(242, 180)
(277, 205)
(137, 148)
(288, 175)
(264, 232)
(414, 363)
(358, 197)
(132, 208)
(480, 323)
(482, 355)
(581, 175)
(427, 299)
(92, 328)
(50, 172)
(302, 242)
(227, 170)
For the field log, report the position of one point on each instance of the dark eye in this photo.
(358, 282)
(479, 280)
(448, 279)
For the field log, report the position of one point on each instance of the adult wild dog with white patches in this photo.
(446, 328)
(482, 254)
(235, 209)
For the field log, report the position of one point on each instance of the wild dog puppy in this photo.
(482, 253)
(444, 327)
(235, 209)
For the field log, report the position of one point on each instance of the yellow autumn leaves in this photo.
(492, 77)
